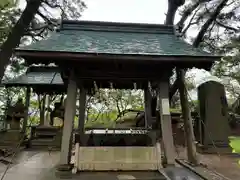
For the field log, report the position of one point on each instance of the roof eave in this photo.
(62, 54)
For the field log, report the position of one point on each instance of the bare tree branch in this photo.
(226, 26)
(18, 31)
(189, 24)
(189, 11)
(212, 18)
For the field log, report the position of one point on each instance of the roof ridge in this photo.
(116, 27)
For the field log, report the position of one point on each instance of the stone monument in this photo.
(213, 127)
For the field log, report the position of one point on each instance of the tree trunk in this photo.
(17, 32)
(27, 103)
(173, 5)
(188, 125)
(199, 37)
(180, 83)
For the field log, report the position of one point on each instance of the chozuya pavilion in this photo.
(116, 55)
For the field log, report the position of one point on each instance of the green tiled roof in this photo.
(115, 38)
(37, 76)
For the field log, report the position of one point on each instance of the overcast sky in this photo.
(140, 11)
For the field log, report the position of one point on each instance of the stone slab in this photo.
(118, 158)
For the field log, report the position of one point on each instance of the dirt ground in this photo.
(227, 165)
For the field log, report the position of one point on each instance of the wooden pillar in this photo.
(27, 103)
(166, 124)
(188, 125)
(147, 108)
(70, 112)
(47, 113)
(82, 108)
(42, 109)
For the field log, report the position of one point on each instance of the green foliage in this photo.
(8, 13)
(107, 105)
(5, 3)
(175, 110)
(190, 85)
(235, 145)
(43, 23)
(230, 65)
(194, 105)
(7, 16)
(229, 69)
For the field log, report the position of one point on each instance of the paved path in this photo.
(180, 173)
(19, 158)
(42, 166)
(35, 168)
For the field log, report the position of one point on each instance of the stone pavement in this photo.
(42, 166)
(34, 168)
(19, 158)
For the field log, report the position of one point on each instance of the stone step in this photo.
(48, 148)
(46, 134)
(45, 142)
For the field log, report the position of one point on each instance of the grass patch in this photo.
(235, 144)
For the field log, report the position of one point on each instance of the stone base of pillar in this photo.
(65, 167)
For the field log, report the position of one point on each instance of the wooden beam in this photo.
(166, 123)
(127, 74)
(188, 125)
(174, 87)
(70, 112)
